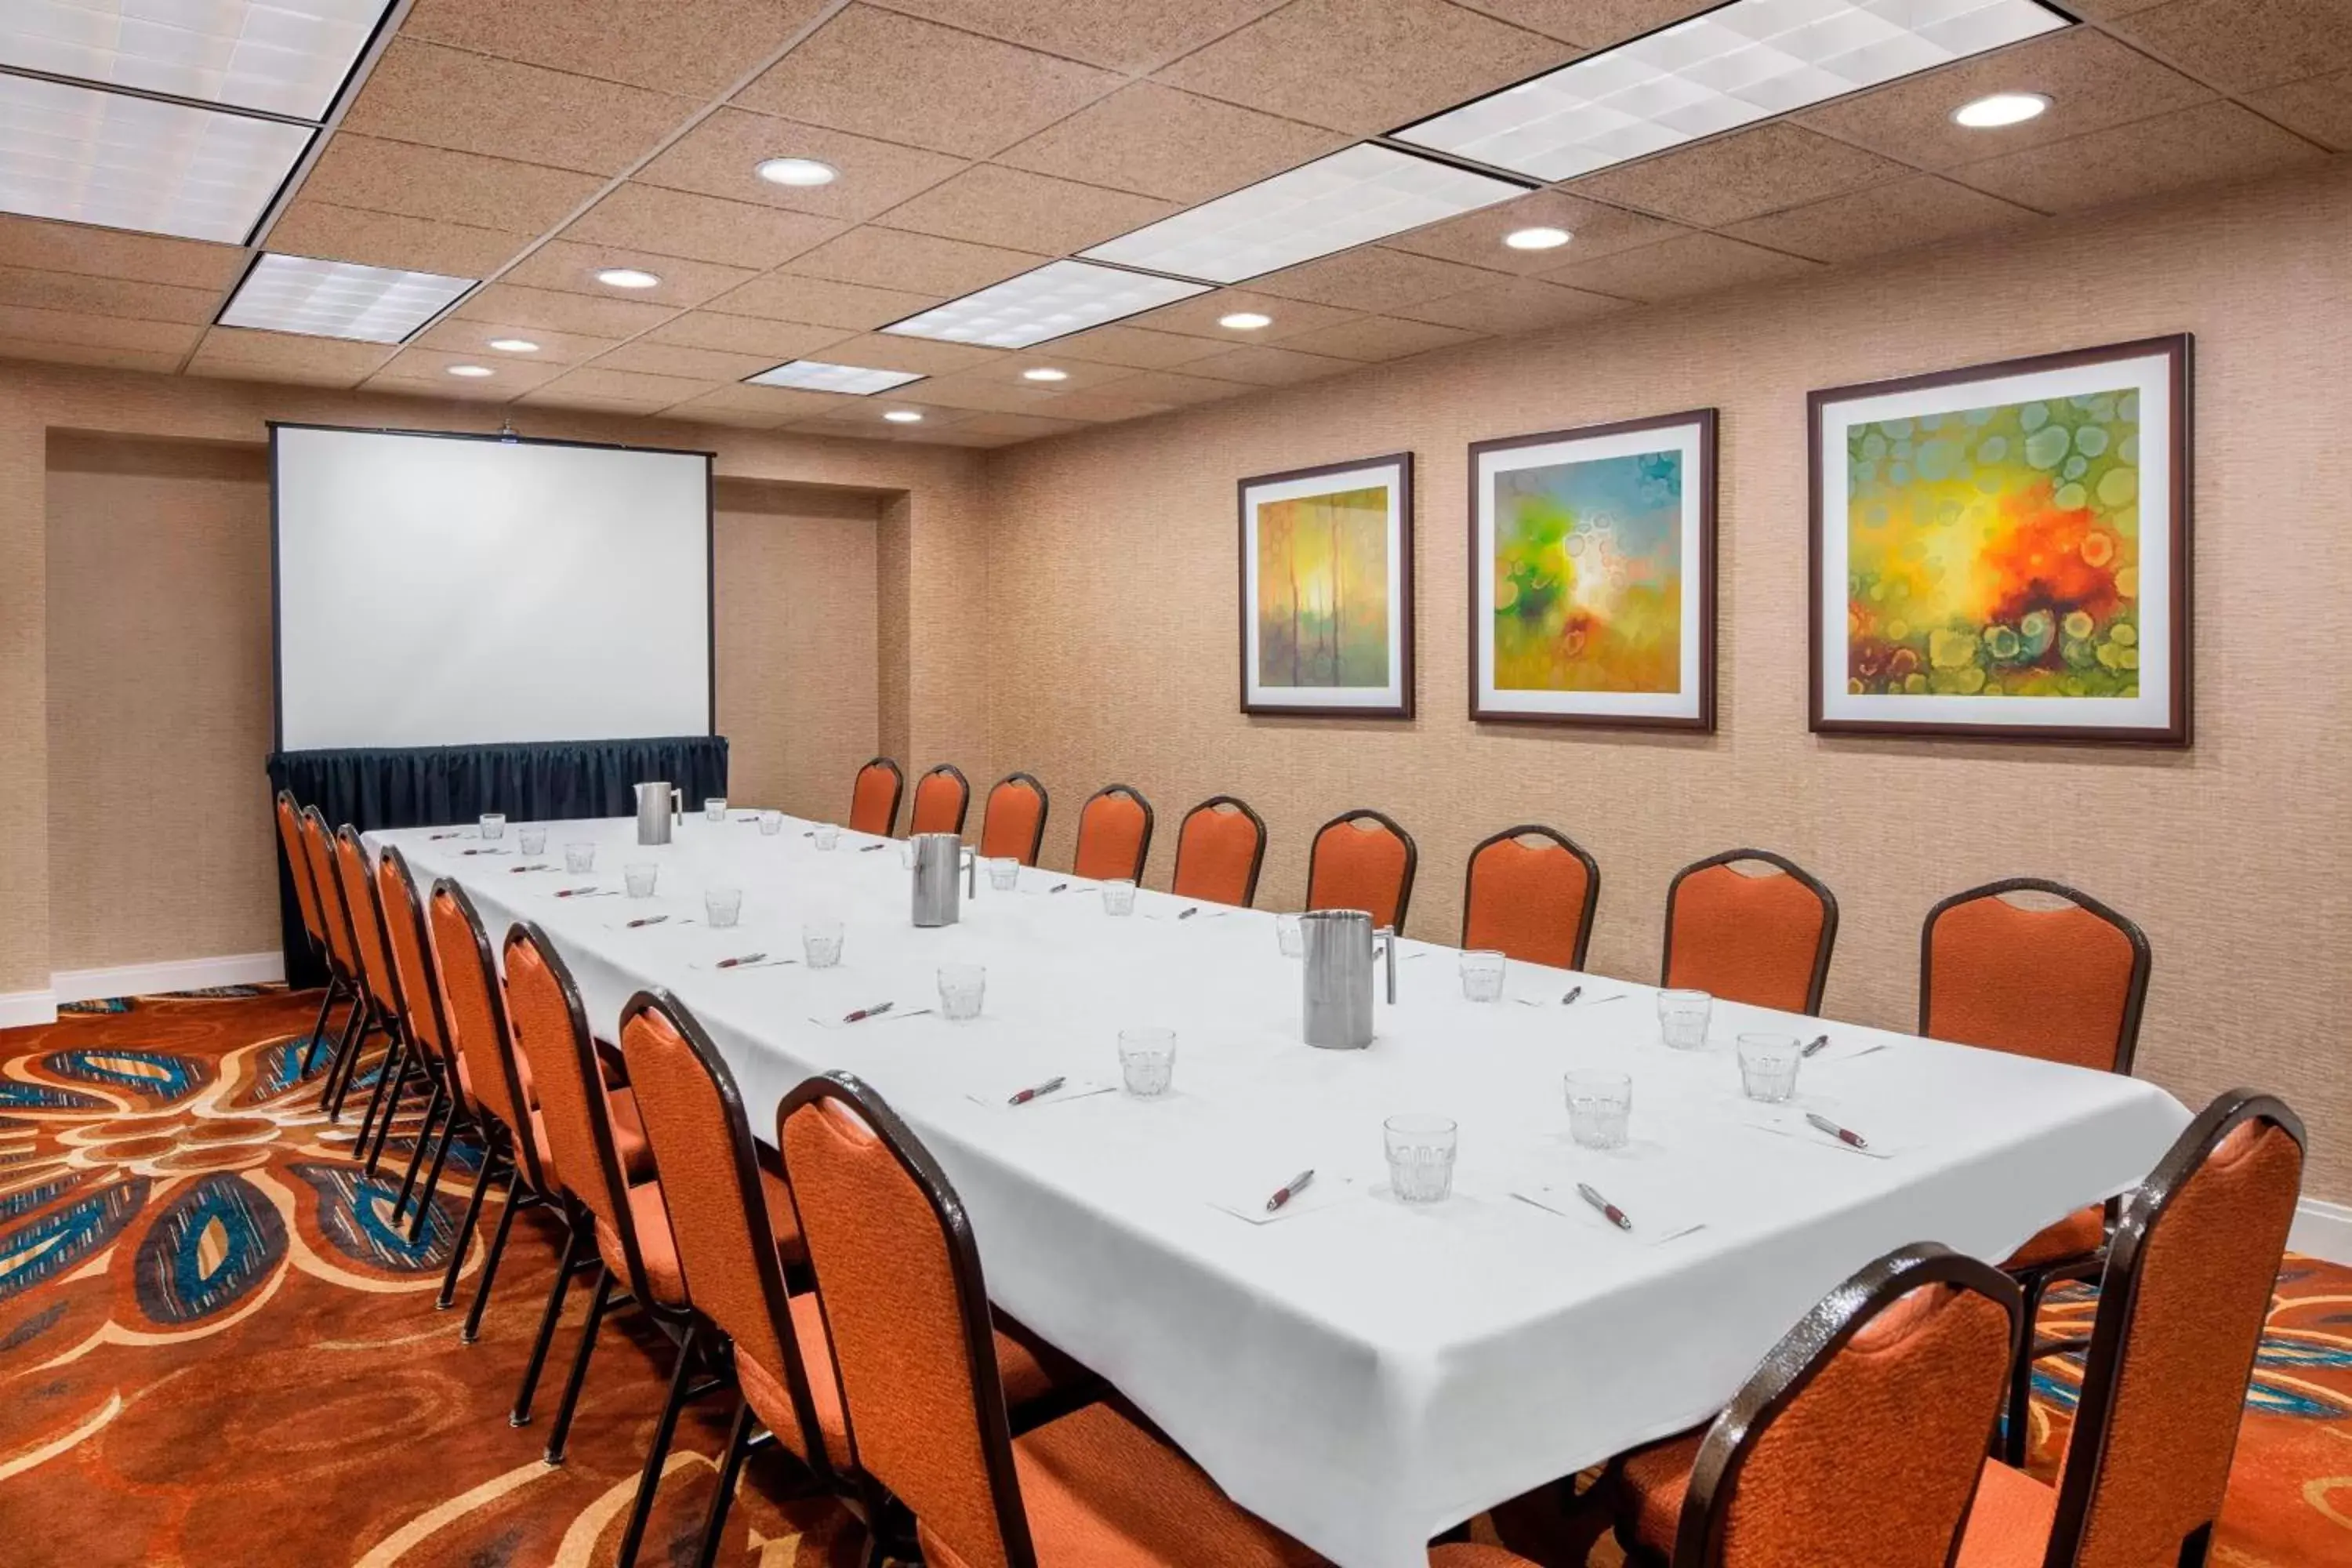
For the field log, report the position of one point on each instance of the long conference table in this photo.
(1361, 1373)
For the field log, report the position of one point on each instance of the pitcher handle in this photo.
(970, 869)
(676, 806)
(1388, 952)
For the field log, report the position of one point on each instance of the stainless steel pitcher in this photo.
(940, 858)
(1337, 977)
(659, 807)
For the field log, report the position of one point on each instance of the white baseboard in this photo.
(180, 975)
(19, 1009)
(2322, 1229)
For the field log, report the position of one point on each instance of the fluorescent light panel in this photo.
(287, 56)
(339, 299)
(1055, 299)
(816, 375)
(84, 155)
(1739, 63)
(1354, 196)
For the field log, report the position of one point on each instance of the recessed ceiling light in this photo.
(1054, 299)
(1044, 373)
(903, 417)
(797, 172)
(471, 372)
(282, 56)
(1536, 238)
(339, 299)
(1246, 320)
(816, 375)
(2000, 109)
(1732, 65)
(628, 278)
(514, 345)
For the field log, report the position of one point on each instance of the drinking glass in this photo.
(1681, 1018)
(1004, 873)
(1600, 1104)
(821, 943)
(723, 906)
(1147, 1060)
(715, 809)
(1118, 897)
(826, 836)
(1482, 976)
(640, 876)
(1768, 1066)
(579, 858)
(1421, 1157)
(534, 841)
(961, 987)
(771, 823)
(494, 824)
(1291, 935)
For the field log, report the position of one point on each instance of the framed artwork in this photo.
(1327, 590)
(2002, 552)
(1593, 575)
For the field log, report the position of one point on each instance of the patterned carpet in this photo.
(216, 1351)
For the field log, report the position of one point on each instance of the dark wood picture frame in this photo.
(2179, 351)
(1400, 600)
(1703, 421)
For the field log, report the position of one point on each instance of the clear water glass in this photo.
(723, 906)
(1147, 1060)
(961, 988)
(1482, 976)
(1118, 897)
(1681, 1018)
(821, 943)
(494, 824)
(1768, 1066)
(640, 876)
(826, 836)
(715, 809)
(771, 823)
(534, 841)
(1599, 1105)
(1004, 873)
(1421, 1157)
(1291, 936)
(579, 858)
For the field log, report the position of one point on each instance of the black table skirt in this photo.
(434, 785)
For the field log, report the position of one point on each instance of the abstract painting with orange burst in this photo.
(1326, 589)
(2002, 552)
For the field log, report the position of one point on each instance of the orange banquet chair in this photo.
(898, 1276)
(2065, 980)
(351, 872)
(314, 924)
(1219, 849)
(1363, 860)
(874, 798)
(447, 1105)
(1013, 824)
(1762, 935)
(1529, 892)
(941, 799)
(1114, 834)
(2179, 1320)
(343, 957)
(1859, 1440)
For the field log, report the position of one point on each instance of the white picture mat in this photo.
(2152, 377)
(1688, 440)
(438, 591)
(1392, 475)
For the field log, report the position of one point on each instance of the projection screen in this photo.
(446, 590)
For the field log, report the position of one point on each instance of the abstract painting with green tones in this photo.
(1996, 552)
(1323, 595)
(1588, 575)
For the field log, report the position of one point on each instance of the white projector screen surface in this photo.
(452, 591)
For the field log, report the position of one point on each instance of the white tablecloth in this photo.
(1361, 1373)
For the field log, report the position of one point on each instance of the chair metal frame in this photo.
(297, 852)
(898, 790)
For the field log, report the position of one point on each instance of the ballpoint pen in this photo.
(1024, 1097)
(1843, 1135)
(738, 962)
(1614, 1214)
(573, 892)
(869, 848)
(1057, 887)
(644, 921)
(864, 1013)
(1187, 913)
(533, 866)
(1818, 1042)
(1289, 1190)
(1573, 992)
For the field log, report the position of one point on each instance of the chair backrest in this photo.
(1219, 850)
(1363, 860)
(1862, 1436)
(1014, 821)
(1529, 892)
(326, 877)
(474, 1007)
(2065, 981)
(874, 797)
(942, 798)
(367, 921)
(695, 1121)
(1763, 939)
(2190, 1272)
(898, 1277)
(297, 866)
(403, 930)
(1114, 834)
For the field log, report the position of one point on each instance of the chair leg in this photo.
(561, 1432)
(318, 1028)
(730, 1465)
(433, 1177)
(565, 1268)
(433, 1103)
(409, 1066)
(347, 1045)
(664, 1430)
(346, 1071)
(392, 1075)
(2015, 1430)
(482, 1179)
(473, 1330)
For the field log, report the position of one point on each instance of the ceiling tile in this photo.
(1743, 174)
(2216, 142)
(241, 355)
(1009, 206)
(924, 356)
(464, 335)
(437, 97)
(1520, 305)
(981, 389)
(1120, 35)
(703, 411)
(821, 303)
(1898, 215)
(677, 359)
(332, 233)
(719, 158)
(917, 263)
(1105, 408)
(511, 376)
(1364, 65)
(1130, 346)
(1477, 238)
(1077, 376)
(631, 386)
(561, 264)
(1010, 427)
(116, 253)
(458, 188)
(777, 341)
(2107, 10)
(27, 323)
(1263, 364)
(2092, 82)
(90, 354)
(1373, 278)
(511, 303)
(1593, 23)
(555, 394)
(2238, 45)
(1198, 317)
(777, 404)
(877, 73)
(663, 222)
(1672, 268)
(1176, 389)
(691, 46)
(1158, 141)
(2320, 109)
(106, 296)
(1373, 338)
(865, 417)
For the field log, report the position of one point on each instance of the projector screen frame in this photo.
(709, 543)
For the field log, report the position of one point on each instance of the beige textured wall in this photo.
(1112, 600)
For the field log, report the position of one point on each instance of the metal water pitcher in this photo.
(659, 807)
(940, 859)
(1337, 977)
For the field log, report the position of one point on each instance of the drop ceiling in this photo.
(1010, 171)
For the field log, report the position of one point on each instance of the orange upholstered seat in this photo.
(2080, 1234)
(1750, 926)
(1363, 860)
(1219, 850)
(1013, 826)
(1530, 894)
(1114, 834)
(874, 797)
(2009, 1523)
(942, 798)
(2062, 978)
